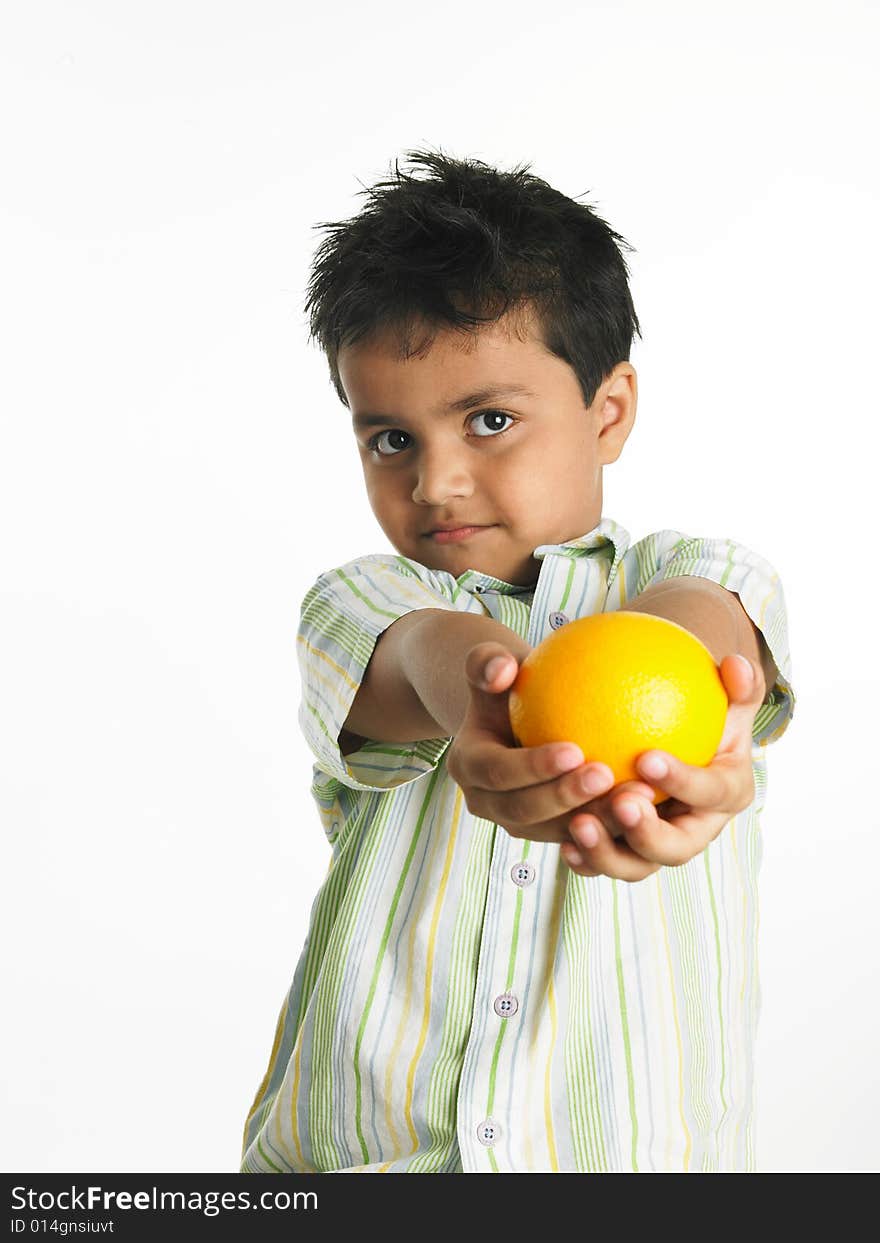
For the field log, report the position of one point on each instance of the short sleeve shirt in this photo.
(463, 1001)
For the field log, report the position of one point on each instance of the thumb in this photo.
(743, 681)
(491, 667)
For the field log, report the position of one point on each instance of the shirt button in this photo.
(479, 588)
(488, 1132)
(522, 874)
(557, 620)
(506, 1005)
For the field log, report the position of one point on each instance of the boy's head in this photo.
(449, 286)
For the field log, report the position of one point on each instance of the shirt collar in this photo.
(608, 539)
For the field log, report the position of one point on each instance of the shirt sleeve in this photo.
(669, 554)
(342, 616)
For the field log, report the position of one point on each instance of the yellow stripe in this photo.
(770, 594)
(731, 827)
(403, 1024)
(689, 1143)
(279, 1031)
(294, 1095)
(432, 943)
(407, 590)
(731, 832)
(261, 1089)
(316, 651)
(552, 942)
(664, 1029)
(548, 1100)
(280, 1143)
(757, 825)
(391, 1063)
(415, 923)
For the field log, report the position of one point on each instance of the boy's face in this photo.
(463, 482)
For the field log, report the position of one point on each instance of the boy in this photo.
(478, 990)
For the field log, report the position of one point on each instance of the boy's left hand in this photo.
(623, 835)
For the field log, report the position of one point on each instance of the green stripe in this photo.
(683, 920)
(511, 964)
(374, 608)
(330, 985)
(568, 581)
(718, 990)
(458, 1016)
(621, 992)
(262, 1151)
(731, 547)
(345, 633)
(586, 1122)
(386, 932)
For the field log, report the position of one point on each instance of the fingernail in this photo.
(494, 667)
(589, 835)
(593, 781)
(568, 758)
(572, 855)
(628, 812)
(744, 660)
(654, 766)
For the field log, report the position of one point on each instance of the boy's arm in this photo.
(415, 685)
(711, 612)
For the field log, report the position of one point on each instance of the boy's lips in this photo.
(449, 534)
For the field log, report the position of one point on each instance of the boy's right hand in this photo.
(531, 791)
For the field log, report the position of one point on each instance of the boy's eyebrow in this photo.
(491, 393)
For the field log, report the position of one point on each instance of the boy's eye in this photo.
(392, 440)
(493, 419)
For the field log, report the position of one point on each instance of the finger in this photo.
(603, 807)
(490, 669)
(743, 680)
(594, 852)
(745, 687)
(670, 843)
(537, 803)
(721, 784)
(484, 761)
(555, 831)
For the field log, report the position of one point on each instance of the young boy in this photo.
(478, 991)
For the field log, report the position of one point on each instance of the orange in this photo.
(618, 684)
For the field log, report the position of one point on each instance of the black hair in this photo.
(462, 247)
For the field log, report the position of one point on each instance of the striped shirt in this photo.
(466, 1003)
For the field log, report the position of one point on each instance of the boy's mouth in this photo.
(451, 535)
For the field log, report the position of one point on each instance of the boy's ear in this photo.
(615, 410)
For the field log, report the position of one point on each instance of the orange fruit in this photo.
(618, 684)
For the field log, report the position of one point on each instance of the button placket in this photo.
(583, 590)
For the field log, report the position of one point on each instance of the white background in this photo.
(163, 168)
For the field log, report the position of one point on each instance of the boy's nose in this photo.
(441, 477)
